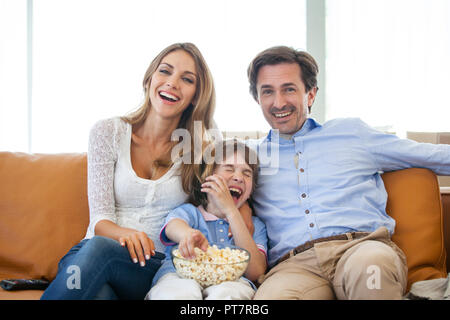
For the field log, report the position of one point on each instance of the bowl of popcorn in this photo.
(216, 265)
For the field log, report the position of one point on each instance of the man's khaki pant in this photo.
(371, 267)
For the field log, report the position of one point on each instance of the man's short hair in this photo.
(282, 54)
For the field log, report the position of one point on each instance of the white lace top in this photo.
(117, 194)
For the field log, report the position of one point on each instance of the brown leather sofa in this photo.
(44, 212)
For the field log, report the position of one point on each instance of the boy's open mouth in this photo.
(236, 193)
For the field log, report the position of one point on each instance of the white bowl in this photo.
(216, 265)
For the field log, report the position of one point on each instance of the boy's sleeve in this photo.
(260, 235)
(186, 212)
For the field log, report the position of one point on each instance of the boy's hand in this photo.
(220, 196)
(195, 239)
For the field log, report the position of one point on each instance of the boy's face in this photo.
(239, 177)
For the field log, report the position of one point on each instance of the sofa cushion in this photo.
(43, 211)
(414, 202)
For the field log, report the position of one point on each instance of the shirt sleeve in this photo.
(101, 159)
(260, 235)
(392, 153)
(186, 212)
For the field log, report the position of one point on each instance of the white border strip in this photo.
(445, 190)
(30, 71)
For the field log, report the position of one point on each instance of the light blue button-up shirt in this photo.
(213, 228)
(325, 180)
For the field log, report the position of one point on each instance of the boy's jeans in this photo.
(100, 268)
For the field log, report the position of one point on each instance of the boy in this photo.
(227, 185)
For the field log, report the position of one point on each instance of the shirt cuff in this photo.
(163, 237)
(263, 250)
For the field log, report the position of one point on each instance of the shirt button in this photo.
(220, 230)
(302, 170)
(222, 240)
(220, 222)
(307, 211)
(303, 195)
(311, 225)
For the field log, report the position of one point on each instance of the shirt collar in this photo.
(307, 127)
(206, 215)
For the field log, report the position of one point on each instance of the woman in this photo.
(133, 182)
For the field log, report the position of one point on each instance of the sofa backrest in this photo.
(44, 212)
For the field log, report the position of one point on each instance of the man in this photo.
(324, 209)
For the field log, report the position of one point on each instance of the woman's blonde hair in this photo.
(203, 110)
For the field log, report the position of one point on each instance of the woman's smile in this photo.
(168, 98)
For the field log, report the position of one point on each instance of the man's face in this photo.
(283, 97)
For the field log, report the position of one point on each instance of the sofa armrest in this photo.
(414, 201)
(445, 195)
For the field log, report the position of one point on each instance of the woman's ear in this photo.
(194, 102)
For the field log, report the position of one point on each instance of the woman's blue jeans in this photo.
(100, 268)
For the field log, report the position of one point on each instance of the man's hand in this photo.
(246, 213)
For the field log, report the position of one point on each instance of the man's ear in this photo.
(256, 98)
(311, 97)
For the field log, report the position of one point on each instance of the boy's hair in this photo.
(220, 151)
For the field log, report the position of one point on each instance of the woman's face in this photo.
(173, 85)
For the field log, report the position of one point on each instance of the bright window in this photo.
(90, 56)
(388, 63)
(77, 61)
(13, 76)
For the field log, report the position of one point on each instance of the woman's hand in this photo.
(220, 196)
(193, 239)
(139, 245)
